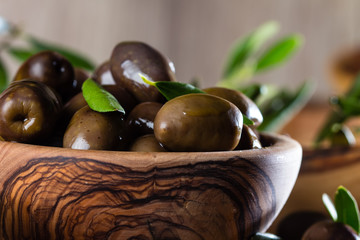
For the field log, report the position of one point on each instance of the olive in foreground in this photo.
(128, 59)
(198, 122)
(330, 230)
(245, 104)
(50, 68)
(28, 111)
(94, 130)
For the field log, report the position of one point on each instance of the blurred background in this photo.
(196, 35)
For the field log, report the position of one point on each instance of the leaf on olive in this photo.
(99, 99)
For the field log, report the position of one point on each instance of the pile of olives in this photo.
(44, 105)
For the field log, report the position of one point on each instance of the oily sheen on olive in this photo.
(198, 122)
(94, 130)
(245, 104)
(28, 111)
(128, 59)
(50, 68)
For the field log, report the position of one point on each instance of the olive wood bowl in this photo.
(58, 193)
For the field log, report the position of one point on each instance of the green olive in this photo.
(128, 59)
(198, 122)
(147, 143)
(28, 111)
(94, 130)
(50, 68)
(245, 104)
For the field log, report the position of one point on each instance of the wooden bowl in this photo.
(322, 171)
(58, 193)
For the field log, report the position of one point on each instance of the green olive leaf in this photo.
(3, 76)
(329, 205)
(99, 99)
(347, 208)
(247, 46)
(172, 90)
(21, 54)
(279, 52)
(76, 59)
(265, 236)
(283, 106)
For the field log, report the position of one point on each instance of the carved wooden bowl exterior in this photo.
(57, 193)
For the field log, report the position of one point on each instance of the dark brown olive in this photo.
(50, 68)
(128, 59)
(28, 111)
(330, 230)
(245, 104)
(72, 106)
(198, 122)
(80, 77)
(248, 140)
(294, 225)
(94, 130)
(141, 119)
(103, 76)
(147, 143)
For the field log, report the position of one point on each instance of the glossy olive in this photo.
(50, 68)
(103, 76)
(198, 122)
(249, 139)
(94, 130)
(330, 230)
(79, 78)
(72, 106)
(245, 104)
(128, 59)
(28, 111)
(147, 143)
(141, 119)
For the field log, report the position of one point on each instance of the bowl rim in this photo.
(275, 142)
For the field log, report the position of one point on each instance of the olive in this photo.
(249, 139)
(294, 225)
(80, 77)
(147, 143)
(103, 76)
(198, 122)
(89, 129)
(245, 104)
(128, 59)
(141, 119)
(28, 111)
(72, 106)
(330, 230)
(50, 68)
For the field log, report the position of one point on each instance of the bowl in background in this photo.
(58, 193)
(322, 171)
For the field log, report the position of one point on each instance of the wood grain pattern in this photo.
(75, 196)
